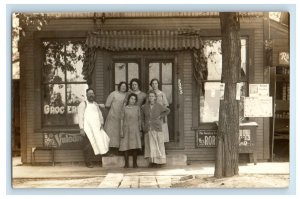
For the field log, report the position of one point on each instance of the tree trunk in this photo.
(228, 129)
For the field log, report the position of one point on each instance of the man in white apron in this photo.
(95, 140)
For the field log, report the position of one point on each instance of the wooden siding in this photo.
(28, 109)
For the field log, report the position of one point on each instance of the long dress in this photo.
(112, 124)
(154, 137)
(162, 100)
(131, 128)
(92, 127)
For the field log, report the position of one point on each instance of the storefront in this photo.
(100, 50)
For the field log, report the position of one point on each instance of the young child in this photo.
(152, 113)
(131, 130)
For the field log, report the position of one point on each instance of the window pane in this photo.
(210, 102)
(167, 89)
(53, 62)
(74, 61)
(120, 72)
(167, 73)
(243, 60)
(54, 104)
(242, 98)
(212, 50)
(153, 71)
(75, 95)
(133, 71)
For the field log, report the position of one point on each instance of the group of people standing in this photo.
(135, 122)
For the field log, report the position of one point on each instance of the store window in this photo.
(63, 86)
(209, 92)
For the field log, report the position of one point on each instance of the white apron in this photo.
(98, 138)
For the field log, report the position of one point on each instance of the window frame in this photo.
(196, 124)
(65, 83)
(38, 38)
(127, 61)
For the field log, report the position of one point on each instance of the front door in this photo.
(145, 69)
(163, 71)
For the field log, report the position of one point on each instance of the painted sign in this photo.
(180, 87)
(62, 140)
(206, 138)
(284, 58)
(55, 110)
(258, 90)
(258, 107)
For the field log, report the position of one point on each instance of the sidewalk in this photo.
(80, 171)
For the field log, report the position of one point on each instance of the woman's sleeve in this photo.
(123, 112)
(164, 111)
(165, 100)
(110, 99)
(140, 118)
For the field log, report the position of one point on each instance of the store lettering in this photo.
(53, 110)
(72, 109)
(210, 140)
(63, 138)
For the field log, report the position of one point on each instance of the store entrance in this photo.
(145, 68)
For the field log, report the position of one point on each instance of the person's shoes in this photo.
(135, 166)
(151, 165)
(158, 166)
(89, 165)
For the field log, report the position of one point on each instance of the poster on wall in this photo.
(258, 90)
(62, 140)
(206, 138)
(245, 138)
(258, 107)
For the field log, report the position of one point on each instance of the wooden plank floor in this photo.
(119, 180)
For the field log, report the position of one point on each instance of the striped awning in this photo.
(117, 40)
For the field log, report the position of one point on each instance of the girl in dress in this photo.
(131, 130)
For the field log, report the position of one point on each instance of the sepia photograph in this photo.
(150, 100)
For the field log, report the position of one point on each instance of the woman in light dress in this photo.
(115, 103)
(162, 100)
(152, 112)
(131, 130)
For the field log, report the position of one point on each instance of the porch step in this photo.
(118, 161)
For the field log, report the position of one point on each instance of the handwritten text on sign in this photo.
(206, 138)
(258, 107)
